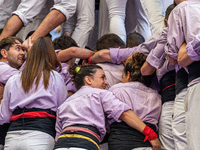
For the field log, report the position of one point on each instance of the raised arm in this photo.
(101, 56)
(74, 52)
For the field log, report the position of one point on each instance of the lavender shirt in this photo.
(113, 73)
(119, 55)
(144, 101)
(67, 78)
(90, 106)
(166, 67)
(184, 25)
(193, 48)
(156, 57)
(6, 72)
(14, 95)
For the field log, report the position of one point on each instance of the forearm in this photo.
(101, 56)
(74, 52)
(12, 27)
(133, 120)
(183, 58)
(147, 69)
(51, 21)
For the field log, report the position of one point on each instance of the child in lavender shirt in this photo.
(81, 118)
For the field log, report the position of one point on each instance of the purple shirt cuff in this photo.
(192, 53)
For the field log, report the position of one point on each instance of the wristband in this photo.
(149, 134)
(90, 60)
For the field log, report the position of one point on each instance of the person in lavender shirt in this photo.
(144, 101)
(82, 119)
(113, 71)
(188, 55)
(11, 58)
(166, 77)
(61, 43)
(31, 99)
(64, 45)
(182, 29)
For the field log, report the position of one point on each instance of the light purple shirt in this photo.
(14, 95)
(156, 57)
(166, 67)
(67, 78)
(193, 48)
(119, 55)
(90, 106)
(183, 24)
(6, 72)
(144, 101)
(113, 73)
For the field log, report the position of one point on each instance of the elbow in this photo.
(181, 63)
(73, 51)
(147, 69)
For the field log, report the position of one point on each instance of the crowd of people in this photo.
(137, 89)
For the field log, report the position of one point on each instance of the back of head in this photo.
(168, 11)
(134, 65)
(6, 43)
(31, 32)
(41, 60)
(79, 74)
(108, 41)
(64, 42)
(134, 39)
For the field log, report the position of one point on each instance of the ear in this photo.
(84, 62)
(166, 21)
(88, 80)
(128, 76)
(4, 53)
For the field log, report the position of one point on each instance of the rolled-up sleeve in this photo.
(27, 10)
(193, 48)
(113, 107)
(66, 7)
(119, 55)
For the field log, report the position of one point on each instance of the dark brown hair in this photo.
(134, 39)
(168, 11)
(41, 60)
(78, 77)
(64, 42)
(134, 65)
(108, 41)
(6, 43)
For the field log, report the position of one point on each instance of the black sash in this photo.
(167, 84)
(123, 137)
(181, 80)
(44, 124)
